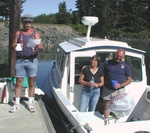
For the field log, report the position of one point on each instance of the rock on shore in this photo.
(51, 35)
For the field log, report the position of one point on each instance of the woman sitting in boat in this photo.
(92, 78)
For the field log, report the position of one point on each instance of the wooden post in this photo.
(14, 25)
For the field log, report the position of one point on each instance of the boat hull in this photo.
(66, 89)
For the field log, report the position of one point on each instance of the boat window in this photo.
(106, 56)
(59, 56)
(60, 59)
(79, 63)
(136, 67)
(62, 64)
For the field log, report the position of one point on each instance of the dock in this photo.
(23, 121)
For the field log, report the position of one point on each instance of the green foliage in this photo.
(75, 17)
(80, 28)
(46, 19)
(139, 35)
(5, 7)
(116, 17)
(63, 17)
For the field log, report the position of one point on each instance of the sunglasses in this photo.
(27, 22)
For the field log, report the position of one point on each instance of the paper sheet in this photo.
(33, 42)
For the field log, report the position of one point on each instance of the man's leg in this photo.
(18, 89)
(31, 72)
(31, 81)
(106, 108)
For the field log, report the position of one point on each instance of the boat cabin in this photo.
(74, 54)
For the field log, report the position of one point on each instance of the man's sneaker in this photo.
(14, 108)
(31, 107)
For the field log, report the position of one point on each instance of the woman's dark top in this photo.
(88, 74)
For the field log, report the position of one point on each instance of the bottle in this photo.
(18, 47)
(32, 50)
(92, 83)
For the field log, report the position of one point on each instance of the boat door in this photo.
(77, 61)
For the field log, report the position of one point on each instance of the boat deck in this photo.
(23, 121)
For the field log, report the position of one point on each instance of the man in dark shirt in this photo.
(115, 69)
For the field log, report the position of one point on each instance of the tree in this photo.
(5, 7)
(116, 16)
(148, 13)
(63, 17)
(75, 17)
(133, 16)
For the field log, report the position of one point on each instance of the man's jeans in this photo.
(26, 66)
(89, 98)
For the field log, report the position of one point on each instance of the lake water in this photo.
(59, 121)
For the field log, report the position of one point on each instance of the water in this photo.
(60, 122)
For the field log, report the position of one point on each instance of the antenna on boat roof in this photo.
(89, 21)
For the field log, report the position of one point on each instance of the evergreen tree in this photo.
(5, 7)
(63, 17)
(116, 16)
(75, 17)
(133, 15)
(148, 14)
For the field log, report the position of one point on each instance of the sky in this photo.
(38, 7)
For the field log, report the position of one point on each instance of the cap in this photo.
(27, 17)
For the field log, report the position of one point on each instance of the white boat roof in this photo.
(86, 43)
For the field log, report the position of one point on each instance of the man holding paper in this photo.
(27, 43)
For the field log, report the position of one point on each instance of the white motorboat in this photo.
(71, 57)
